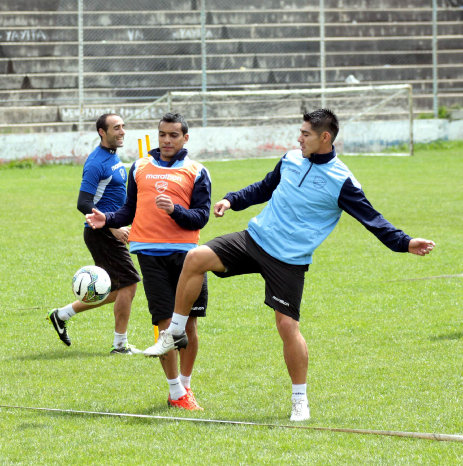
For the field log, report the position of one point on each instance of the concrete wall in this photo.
(133, 56)
(225, 142)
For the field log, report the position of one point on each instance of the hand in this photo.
(122, 234)
(420, 246)
(97, 219)
(220, 207)
(164, 202)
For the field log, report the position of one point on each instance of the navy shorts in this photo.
(284, 283)
(160, 278)
(112, 255)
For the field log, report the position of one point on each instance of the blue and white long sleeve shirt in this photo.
(104, 177)
(305, 200)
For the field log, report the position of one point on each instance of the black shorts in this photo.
(160, 278)
(284, 283)
(112, 255)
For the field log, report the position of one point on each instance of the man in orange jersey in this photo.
(168, 202)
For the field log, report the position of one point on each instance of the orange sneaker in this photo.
(192, 398)
(186, 401)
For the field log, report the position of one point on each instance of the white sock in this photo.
(120, 339)
(176, 389)
(186, 381)
(66, 312)
(299, 392)
(177, 324)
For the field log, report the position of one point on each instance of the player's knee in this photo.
(133, 289)
(123, 295)
(286, 325)
(196, 261)
(129, 291)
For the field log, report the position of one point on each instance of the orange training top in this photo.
(154, 225)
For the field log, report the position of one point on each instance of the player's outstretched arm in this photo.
(420, 246)
(97, 219)
(220, 207)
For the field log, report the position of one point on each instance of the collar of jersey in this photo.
(319, 159)
(180, 155)
(107, 149)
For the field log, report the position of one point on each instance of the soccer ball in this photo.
(91, 284)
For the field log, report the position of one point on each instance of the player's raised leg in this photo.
(59, 317)
(198, 261)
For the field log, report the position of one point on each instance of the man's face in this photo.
(171, 139)
(114, 136)
(310, 141)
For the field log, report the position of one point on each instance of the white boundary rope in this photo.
(390, 433)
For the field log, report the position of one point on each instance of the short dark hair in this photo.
(323, 120)
(175, 118)
(102, 123)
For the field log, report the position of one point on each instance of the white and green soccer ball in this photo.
(91, 284)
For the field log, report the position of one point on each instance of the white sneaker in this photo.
(166, 342)
(300, 410)
(134, 350)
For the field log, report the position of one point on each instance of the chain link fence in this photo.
(64, 62)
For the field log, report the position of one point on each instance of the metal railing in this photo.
(83, 57)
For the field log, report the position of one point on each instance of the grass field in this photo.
(385, 338)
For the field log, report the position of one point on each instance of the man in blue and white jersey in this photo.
(306, 193)
(103, 187)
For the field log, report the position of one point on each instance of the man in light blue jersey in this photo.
(306, 193)
(103, 186)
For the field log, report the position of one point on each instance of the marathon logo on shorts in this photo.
(167, 177)
(280, 301)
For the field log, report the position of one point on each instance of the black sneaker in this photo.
(127, 349)
(60, 326)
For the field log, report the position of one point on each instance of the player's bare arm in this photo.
(220, 207)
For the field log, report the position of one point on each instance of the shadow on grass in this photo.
(448, 336)
(213, 418)
(160, 413)
(55, 355)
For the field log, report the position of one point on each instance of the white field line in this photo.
(390, 433)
